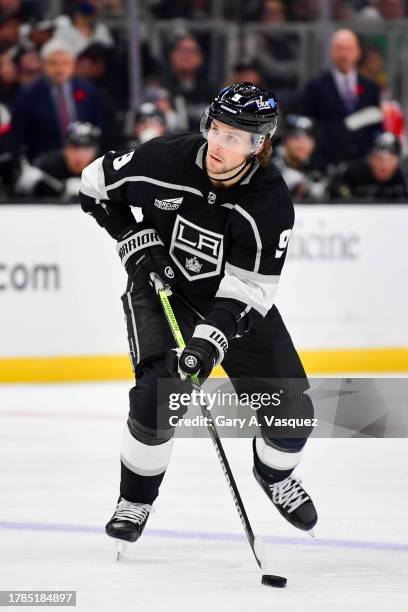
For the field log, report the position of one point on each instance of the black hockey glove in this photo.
(205, 350)
(142, 252)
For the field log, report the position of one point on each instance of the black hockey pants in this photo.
(266, 352)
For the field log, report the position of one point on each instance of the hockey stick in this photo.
(255, 542)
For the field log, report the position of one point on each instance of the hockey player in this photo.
(216, 223)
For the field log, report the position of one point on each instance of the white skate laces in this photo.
(133, 512)
(288, 493)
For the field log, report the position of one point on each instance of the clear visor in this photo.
(230, 138)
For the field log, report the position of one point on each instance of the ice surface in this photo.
(59, 447)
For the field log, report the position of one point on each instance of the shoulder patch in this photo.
(122, 160)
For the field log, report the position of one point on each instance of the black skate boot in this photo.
(127, 523)
(292, 501)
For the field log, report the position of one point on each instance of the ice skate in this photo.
(292, 501)
(127, 524)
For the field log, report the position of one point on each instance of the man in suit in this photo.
(344, 103)
(45, 108)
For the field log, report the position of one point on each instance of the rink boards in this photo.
(342, 294)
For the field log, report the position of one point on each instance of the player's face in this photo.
(300, 147)
(383, 165)
(78, 158)
(228, 147)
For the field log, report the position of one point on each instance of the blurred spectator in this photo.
(297, 160)
(9, 85)
(161, 98)
(98, 65)
(342, 10)
(392, 9)
(372, 67)
(28, 65)
(187, 9)
(368, 10)
(37, 33)
(376, 178)
(7, 153)
(273, 11)
(45, 108)
(83, 28)
(186, 81)
(241, 10)
(26, 9)
(344, 103)
(58, 173)
(149, 123)
(9, 31)
(304, 10)
(113, 7)
(247, 71)
(273, 50)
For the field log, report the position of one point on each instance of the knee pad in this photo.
(289, 420)
(145, 452)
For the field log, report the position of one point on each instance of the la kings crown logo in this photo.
(196, 251)
(193, 264)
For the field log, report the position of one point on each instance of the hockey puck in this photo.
(279, 582)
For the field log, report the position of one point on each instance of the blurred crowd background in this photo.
(82, 77)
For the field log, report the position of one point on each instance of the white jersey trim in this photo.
(93, 181)
(254, 289)
(257, 235)
(148, 179)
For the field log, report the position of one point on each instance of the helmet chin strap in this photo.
(226, 176)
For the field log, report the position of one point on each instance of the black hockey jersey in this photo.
(226, 244)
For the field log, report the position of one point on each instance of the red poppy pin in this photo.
(359, 90)
(79, 95)
(5, 129)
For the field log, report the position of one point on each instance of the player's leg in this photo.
(265, 361)
(147, 438)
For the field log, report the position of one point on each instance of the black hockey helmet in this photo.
(83, 134)
(149, 110)
(246, 107)
(299, 125)
(387, 142)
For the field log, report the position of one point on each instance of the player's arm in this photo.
(247, 290)
(107, 189)
(104, 190)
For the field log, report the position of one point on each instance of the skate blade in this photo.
(121, 547)
(312, 533)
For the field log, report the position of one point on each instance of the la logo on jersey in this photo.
(196, 251)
